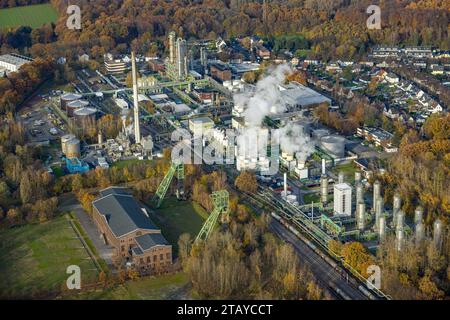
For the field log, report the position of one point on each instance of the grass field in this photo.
(159, 288)
(34, 16)
(311, 197)
(349, 170)
(34, 258)
(178, 217)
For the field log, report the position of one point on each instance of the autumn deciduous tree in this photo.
(246, 181)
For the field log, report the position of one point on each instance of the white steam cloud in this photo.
(267, 99)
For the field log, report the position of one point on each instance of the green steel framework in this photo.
(175, 168)
(330, 225)
(221, 205)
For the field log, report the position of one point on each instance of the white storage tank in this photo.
(68, 97)
(333, 144)
(73, 148)
(64, 139)
(75, 105)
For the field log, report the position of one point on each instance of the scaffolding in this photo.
(175, 168)
(221, 205)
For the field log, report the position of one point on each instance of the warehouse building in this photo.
(12, 62)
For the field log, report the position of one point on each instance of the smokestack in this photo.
(418, 215)
(324, 188)
(341, 177)
(137, 129)
(379, 208)
(172, 47)
(285, 184)
(400, 237)
(359, 193)
(397, 203)
(376, 192)
(420, 233)
(323, 167)
(437, 233)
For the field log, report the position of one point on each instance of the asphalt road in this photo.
(324, 272)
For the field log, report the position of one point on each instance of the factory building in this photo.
(127, 227)
(176, 65)
(199, 126)
(379, 137)
(220, 72)
(297, 96)
(342, 199)
(12, 62)
(114, 66)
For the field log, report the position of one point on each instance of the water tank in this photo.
(361, 215)
(68, 97)
(85, 114)
(335, 145)
(64, 140)
(437, 232)
(75, 105)
(418, 215)
(73, 148)
(420, 233)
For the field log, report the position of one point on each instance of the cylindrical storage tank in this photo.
(376, 192)
(324, 189)
(75, 105)
(100, 138)
(68, 97)
(400, 219)
(418, 215)
(379, 209)
(333, 144)
(400, 238)
(64, 140)
(341, 177)
(73, 149)
(382, 228)
(396, 206)
(359, 193)
(420, 233)
(361, 216)
(437, 232)
(358, 176)
(85, 115)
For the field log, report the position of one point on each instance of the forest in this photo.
(329, 28)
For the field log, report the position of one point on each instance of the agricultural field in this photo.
(34, 16)
(34, 258)
(178, 217)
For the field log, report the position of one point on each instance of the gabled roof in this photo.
(123, 214)
(150, 240)
(114, 190)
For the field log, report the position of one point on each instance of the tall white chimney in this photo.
(323, 167)
(285, 184)
(137, 129)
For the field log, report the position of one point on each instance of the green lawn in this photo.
(178, 217)
(34, 16)
(164, 287)
(349, 170)
(34, 259)
(311, 197)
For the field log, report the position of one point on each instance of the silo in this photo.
(64, 140)
(400, 238)
(358, 176)
(437, 233)
(100, 138)
(420, 232)
(75, 105)
(379, 209)
(397, 204)
(418, 215)
(341, 177)
(85, 115)
(359, 193)
(324, 188)
(376, 192)
(400, 221)
(73, 149)
(68, 97)
(382, 228)
(361, 216)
